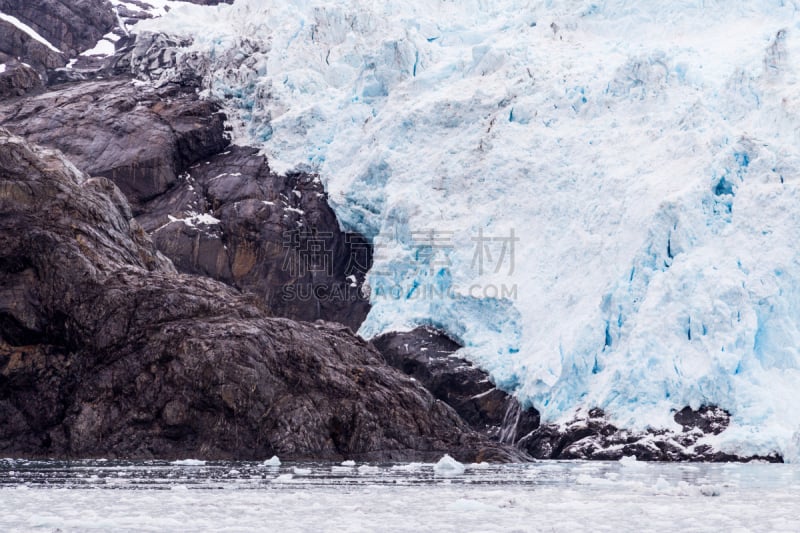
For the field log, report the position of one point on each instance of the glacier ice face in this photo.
(645, 154)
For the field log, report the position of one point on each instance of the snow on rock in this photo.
(642, 159)
(194, 218)
(448, 467)
(33, 34)
(104, 47)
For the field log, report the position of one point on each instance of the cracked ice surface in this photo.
(644, 153)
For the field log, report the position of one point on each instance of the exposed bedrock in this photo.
(214, 210)
(105, 350)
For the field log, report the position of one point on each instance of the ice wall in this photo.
(645, 154)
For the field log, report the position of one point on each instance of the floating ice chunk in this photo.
(349, 462)
(630, 461)
(467, 505)
(189, 462)
(2, 68)
(302, 471)
(710, 490)
(410, 467)
(662, 485)
(448, 467)
(273, 461)
(368, 469)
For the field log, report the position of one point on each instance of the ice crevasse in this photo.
(640, 159)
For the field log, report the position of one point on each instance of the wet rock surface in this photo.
(105, 350)
(426, 354)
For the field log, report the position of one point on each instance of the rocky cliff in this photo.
(106, 350)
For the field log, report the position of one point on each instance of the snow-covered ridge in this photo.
(644, 153)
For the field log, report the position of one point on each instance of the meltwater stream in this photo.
(543, 496)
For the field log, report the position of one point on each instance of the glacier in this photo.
(598, 199)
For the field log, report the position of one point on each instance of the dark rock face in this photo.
(106, 351)
(426, 355)
(17, 79)
(274, 236)
(140, 138)
(708, 419)
(591, 436)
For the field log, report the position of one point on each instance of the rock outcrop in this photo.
(215, 210)
(591, 436)
(274, 236)
(426, 354)
(105, 350)
(139, 137)
(17, 79)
